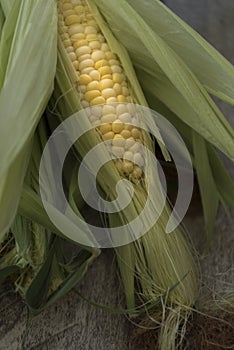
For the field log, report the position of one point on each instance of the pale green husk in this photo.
(27, 68)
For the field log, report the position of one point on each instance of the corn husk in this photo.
(26, 82)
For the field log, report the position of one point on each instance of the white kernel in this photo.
(138, 159)
(94, 45)
(105, 47)
(125, 118)
(75, 29)
(98, 55)
(69, 49)
(109, 92)
(94, 74)
(72, 56)
(82, 88)
(86, 70)
(86, 63)
(108, 109)
(72, 19)
(83, 50)
(90, 30)
(117, 151)
(84, 57)
(106, 83)
(128, 155)
(111, 100)
(118, 141)
(108, 118)
(116, 69)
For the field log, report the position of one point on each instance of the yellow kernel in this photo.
(109, 92)
(72, 56)
(66, 6)
(94, 74)
(118, 165)
(80, 43)
(117, 126)
(97, 101)
(84, 57)
(107, 76)
(86, 63)
(85, 79)
(138, 159)
(79, 9)
(118, 77)
(105, 128)
(72, 19)
(111, 100)
(118, 141)
(128, 155)
(127, 166)
(116, 69)
(129, 143)
(126, 134)
(93, 85)
(75, 65)
(110, 55)
(117, 88)
(121, 98)
(105, 70)
(120, 109)
(83, 50)
(92, 22)
(69, 49)
(125, 91)
(90, 30)
(125, 118)
(98, 55)
(105, 47)
(94, 45)
(90, 95)
(136, 133)
(100, 64)
(106, 83)
(117, 151)
(77, 37)
(108, 109)
(92, 37)
(108, 136)
(108, 118)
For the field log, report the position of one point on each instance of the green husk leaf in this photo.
(150, 53)
(209, 195)
(209, 66)
(34, 25)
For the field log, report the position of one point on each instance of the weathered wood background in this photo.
(74, 324)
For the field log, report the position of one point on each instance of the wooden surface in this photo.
(74, 324)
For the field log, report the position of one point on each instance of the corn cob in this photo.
(102, 83)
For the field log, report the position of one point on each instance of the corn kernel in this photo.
(75, 65)
(69, 49)
(86, 70)
(68, 12)
(85, 79)
(117, 151)
(77, 37)
(101, 63)
(107, 76)
(95, 45)
(108, 109)
(90, 30)
(97, 101)
(72, 19)
(127, 166)
(128, 155)
(126, 134)
(105, 128)
(136, 133)
(125, 118)
(121, 109)
(93, 85)
(98, 55)
(108, 118)
(121, 98)
(117, 126)
(86, 63)
(118, 77)
(72, 56)
(75, 29)
(125, 91)
(118, 141)
(84, 57)
(105, 70)
(106, 83)
(105, 47)
(116, 69)
(109, 92)
(110, 55)
(129, 143)
(90, 95)
(94, 74)
(117, 88)
(108, 136)
(80, 43)
(83, 50)
(92, 37)
(111, 100)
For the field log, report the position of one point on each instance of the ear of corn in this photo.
(158, 261)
